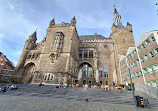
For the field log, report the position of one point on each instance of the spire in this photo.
(117, 18)
(73, 21)
(52, 23)
(74, 18)
(115, 11)
(33, 35)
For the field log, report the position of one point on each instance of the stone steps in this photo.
(78, 94)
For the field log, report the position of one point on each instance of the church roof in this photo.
(74, 18)
(34, 34)
(115, 11)
(92, 37)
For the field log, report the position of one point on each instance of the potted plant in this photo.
(68, 82)
(99, 84)
(90, 84)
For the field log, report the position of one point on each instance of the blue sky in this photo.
(20, 18)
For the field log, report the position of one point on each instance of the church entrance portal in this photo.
(86, 74)
(29, 73)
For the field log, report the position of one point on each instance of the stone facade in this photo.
(64, 55)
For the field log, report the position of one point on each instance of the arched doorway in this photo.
(29, 72)
(86, 73)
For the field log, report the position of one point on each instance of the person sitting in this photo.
(40, 84)
(9, 87)
(14, 87)
(106, 87)
(4, 90)
(61, 85)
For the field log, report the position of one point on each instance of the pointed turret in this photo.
(129, 27)
(33, 34)
(117, 18)
(52, 23)
(73, 21)
(128, 24)
(33, 37)
(115, 11)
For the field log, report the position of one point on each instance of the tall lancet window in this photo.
(59, 43)
(58, 40)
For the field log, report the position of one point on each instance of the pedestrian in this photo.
(106, 87)
(4, 90)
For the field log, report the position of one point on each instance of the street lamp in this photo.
(132, 86)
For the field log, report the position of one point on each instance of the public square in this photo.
(30, 97)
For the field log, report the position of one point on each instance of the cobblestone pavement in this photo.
(50, 98)
(19, 103)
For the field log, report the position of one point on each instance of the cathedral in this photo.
(65, 56)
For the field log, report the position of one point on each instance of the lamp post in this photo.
(132, 86)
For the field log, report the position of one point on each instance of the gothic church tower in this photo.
(123, 39)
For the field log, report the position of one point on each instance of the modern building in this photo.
(64, 55)
(142, 61)
(6, 68)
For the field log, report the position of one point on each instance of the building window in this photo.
(146, 57)
(100, 72)
(85, 53)
(90, 72)
(144, 71)
(140, 73)
(51, 77)
(80, 54)
(106, 82)
(85, 69)
(45, 77)
(48, 76)
(149, 68)
(56, 41)
(106, 75)
(90, 54)
(101, 82)
(155, 68)
(152, 39)
(147, 42)
(156, 51)
(59, 44)
(143, 46)
(2, 64)
(142, 59)
(105, 46)
(137, 62)
(124, 41)
(53, 58)
(151, 54)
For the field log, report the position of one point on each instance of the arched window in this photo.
(45, 77)
(53, 58)
(51, 77)
(87, 70)
(58, 40)
(59, 44)
(105, 46)
(124, 41)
